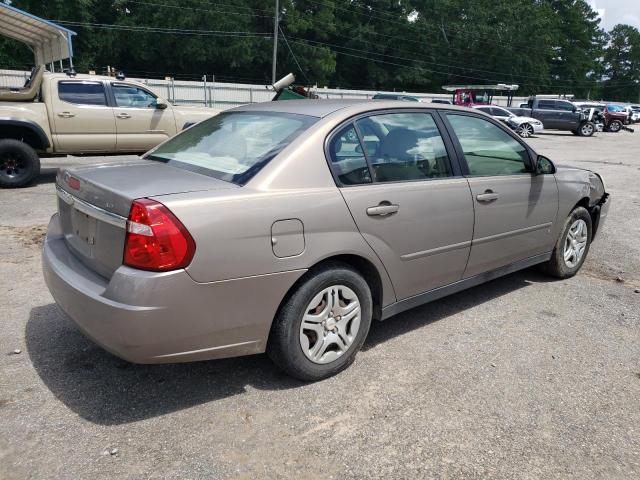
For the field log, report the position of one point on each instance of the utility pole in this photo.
(275, 42)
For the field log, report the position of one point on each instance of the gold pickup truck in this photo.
(55, 113)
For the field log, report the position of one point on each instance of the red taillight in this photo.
(156, 240)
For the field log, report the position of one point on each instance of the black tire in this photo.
(19, 164)
(586, 129)
(284, 346)
(615, 126)
(556, 266)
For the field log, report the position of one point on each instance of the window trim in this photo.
(460, 153)
(125, 84)
(83, 82)
(452, 154)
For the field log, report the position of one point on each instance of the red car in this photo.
(615, 117)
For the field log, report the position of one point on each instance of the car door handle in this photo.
(487, 196)
(123, 115)
(66, 114)
(383, 209)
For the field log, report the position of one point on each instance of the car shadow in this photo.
(47, 175)
(106, 390)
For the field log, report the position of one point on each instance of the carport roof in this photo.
(49, 42)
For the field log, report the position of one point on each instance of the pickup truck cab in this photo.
(82, 114)
(557, 114)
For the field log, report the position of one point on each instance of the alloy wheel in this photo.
(330, 324)
(587, 129)
(576, 243)
(525, 131)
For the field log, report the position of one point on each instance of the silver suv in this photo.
(290, 226)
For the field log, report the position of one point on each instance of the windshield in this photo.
(232, 146)
(615, 108)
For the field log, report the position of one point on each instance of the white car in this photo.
(523, 126)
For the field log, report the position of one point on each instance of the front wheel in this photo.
(321, 326)
(525, 130)
(19, 164)
(615, 126)
(586, 129)
(573, 245)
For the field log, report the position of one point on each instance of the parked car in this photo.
(58, 113)
(442, 101)
(615, 117)
(290, 226)
(523, 126)
(635, 113)
(393, 96)
(557, 114)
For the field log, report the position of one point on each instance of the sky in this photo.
(613, 12)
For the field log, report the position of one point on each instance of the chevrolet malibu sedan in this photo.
(288, 227)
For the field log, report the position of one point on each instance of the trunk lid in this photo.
(94, 202)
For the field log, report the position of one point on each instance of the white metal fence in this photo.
(226, 95)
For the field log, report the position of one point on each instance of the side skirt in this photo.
(436, 293)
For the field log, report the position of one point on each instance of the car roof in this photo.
(322, 108)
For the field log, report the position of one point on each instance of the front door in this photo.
(514, 208)
(80, 116)
(140, 125)
(406, 196)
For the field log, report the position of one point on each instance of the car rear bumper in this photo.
(150, 317)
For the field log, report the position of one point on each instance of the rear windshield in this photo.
(232, 146)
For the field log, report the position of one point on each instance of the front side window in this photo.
(132, 96)
(565, 106)
(488, 149)
(404, 146)
(500, 112)
(485, 109)
(347, 157)
(82, 93)
(232, 146)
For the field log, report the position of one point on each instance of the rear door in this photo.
(514, 208)
(82, 119)
(548, 113)
(406, 195)
(140, 125)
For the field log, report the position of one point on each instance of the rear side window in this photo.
(232, 146)
(404, 146)
(347, 157)
(547, 105)
(132, 96)
(82, 93)
(488, 149)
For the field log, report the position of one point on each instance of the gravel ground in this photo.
(520, 378)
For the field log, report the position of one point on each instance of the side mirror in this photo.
(544, 166)
(161, 105)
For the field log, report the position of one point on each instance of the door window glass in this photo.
(404, 146)
(488, 149)
(500, 112)
(82, 93)
(547, 105)
(566, 106)
(132, 96)
(347, 158)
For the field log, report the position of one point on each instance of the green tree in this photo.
(622, 64)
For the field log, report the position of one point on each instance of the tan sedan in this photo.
(290, 226)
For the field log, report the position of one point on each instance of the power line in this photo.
(294, 56)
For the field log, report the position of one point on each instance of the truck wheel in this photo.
(586, 129)
(19, 164)
(615, 126)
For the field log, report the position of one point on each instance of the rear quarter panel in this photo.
(35, 112)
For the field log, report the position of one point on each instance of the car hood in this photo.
(519, 119)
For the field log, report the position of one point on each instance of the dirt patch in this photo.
(32, 236)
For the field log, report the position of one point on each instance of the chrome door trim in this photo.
(91, 210)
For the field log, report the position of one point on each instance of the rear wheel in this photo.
(19, 164)
(586, 129)
(322, 324)
(615, 126)
(573, 245)
(525, 130)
